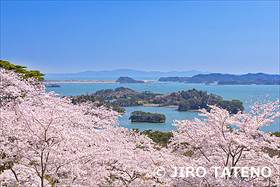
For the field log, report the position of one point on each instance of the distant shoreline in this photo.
(88, 81)
(168, 106)
(79, 81)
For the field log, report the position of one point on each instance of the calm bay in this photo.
(248, 94)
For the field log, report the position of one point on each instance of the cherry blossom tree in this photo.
(43, 136)
(224, 140)
(45, 140)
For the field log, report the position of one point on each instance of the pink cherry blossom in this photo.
(48, 141)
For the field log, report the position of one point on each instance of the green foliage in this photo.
(188, 153)
(277, 134)
(21, 70)
(99, 102)
(140, 116)
(185, 100)
(125, 80)
(125, 96)
(230, 79)
(161, 138)
(233, 106)
(194, 100)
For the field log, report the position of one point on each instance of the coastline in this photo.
(147, 122)
(89, 81)
(157, 105)
(79, 81)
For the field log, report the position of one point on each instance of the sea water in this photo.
(248, 94)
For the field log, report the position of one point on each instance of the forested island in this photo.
(173, 79)
(184, 100)
(125, 80)
(140, 116)
(228, 79)
(98, 101)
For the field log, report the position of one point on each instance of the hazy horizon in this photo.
(154, 71)
(235, 37)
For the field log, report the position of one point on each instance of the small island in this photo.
(173, 79)
(140, 116)
(48, 85)
(189, 100)
(125, 80)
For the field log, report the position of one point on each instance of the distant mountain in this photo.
(114, 74)
(250, 78)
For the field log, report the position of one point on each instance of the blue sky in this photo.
(61, 36)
